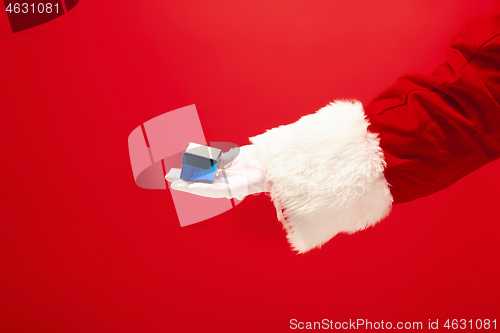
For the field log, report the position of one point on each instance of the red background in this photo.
(83, 249)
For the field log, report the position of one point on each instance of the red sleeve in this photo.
(350, 163)
(435, 129)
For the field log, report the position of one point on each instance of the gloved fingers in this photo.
(215, 190)
(180, 185)
(228, 157)
(173, 175)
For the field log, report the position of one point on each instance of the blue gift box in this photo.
(199, 163)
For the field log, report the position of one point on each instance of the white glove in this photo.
(239, 174)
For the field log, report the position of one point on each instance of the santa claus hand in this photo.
(239, 174)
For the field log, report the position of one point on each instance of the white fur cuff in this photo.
(327, 174)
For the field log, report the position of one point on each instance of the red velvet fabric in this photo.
(435, 129)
